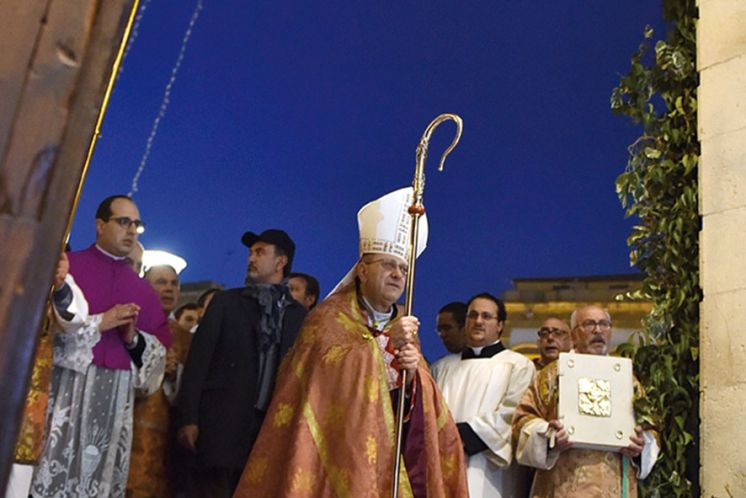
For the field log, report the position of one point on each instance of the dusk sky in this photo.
(293, 115)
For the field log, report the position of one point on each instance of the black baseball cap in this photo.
(275, 237)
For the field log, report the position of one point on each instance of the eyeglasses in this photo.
(390, 266)
(590, 325)
(545, 332)
(126, 222)
(473, 315)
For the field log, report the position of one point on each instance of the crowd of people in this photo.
(265, 391)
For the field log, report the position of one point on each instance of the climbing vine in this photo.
(658, 188)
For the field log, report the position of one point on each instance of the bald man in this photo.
(565, 471)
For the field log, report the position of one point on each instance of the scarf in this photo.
(272, 300)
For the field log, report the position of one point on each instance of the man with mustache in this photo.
(564, 471)
(554, 338)
(330, 429)
(230, 370)
(482, 386)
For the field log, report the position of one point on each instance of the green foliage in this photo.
(659, 189)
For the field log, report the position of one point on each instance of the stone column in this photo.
(721, 60)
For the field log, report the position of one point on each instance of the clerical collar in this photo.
(117, 258)
(377, 319)
(483, 351)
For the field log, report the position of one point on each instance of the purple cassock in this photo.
(106, 281)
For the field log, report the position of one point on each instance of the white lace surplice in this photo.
(90, 412)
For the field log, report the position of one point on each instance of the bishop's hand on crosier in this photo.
(408, 357)
(403, 333)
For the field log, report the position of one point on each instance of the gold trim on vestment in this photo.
(443, 415)
(302, 481)
(335, 475)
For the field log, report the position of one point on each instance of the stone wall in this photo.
(721, 59)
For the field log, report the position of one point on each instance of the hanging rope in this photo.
(133, 34)
(166, 98)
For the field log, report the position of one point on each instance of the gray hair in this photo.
(574, 317)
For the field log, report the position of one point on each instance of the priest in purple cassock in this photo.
(113, 346)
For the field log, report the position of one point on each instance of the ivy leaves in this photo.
(659, 188)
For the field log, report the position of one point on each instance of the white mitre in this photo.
(385, 225)
(156, 257)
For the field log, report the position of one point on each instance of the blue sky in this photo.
(293, 115)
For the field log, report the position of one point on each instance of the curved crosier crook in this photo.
(425, 140)
(419, 175)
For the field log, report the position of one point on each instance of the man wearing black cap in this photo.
(230, 371)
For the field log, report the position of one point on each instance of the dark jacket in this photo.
(220, 382)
